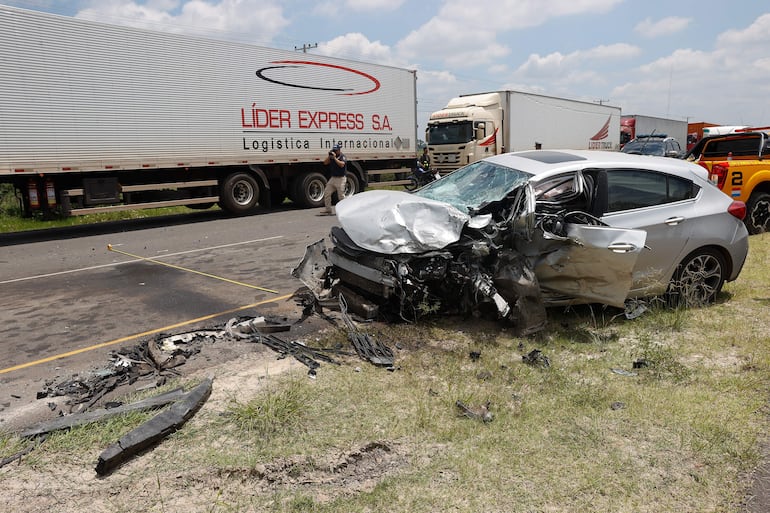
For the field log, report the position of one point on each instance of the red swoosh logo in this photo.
(604, 132)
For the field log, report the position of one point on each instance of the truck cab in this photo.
(465, 131)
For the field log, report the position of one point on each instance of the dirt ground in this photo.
(75, 486)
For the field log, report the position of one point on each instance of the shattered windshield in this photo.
(645, 148)
(474, 185)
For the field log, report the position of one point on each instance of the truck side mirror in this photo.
(480, 131)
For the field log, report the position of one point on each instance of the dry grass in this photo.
(588, 433)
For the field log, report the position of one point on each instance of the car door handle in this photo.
(621, 247)
(673, 221)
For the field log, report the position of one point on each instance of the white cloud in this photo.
(663, 27)
(458, 43)
(556, 63)
(374, 5)
(758, 33)
(234, 19)
(356, 46)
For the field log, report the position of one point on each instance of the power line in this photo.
(305, 47)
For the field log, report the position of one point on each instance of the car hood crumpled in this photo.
(399, 222)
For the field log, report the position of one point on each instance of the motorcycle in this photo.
(420, 177)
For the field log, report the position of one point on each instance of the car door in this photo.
(587, 262)
(661, 205)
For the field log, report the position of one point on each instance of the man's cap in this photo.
(337, 147)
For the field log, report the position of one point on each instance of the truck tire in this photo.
(310, 190)
(239, 194)
(758, 213)
(352, 185)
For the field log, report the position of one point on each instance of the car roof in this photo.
(543, 163)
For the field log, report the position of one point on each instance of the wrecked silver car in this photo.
(515, 233)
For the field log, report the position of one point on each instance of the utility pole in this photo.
(305, 47)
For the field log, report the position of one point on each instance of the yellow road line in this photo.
(144, 334)
(110, 248)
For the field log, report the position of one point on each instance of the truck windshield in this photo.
(450, 133)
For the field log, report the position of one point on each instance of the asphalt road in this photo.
(67, 300)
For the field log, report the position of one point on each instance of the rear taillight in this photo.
(718, 173)
(737, 209)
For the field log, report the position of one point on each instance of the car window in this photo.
(743, 146)
(558, 187)
(636, 188)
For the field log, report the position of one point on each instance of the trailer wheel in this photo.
(352, 185)
(239, 194)
(310, 190)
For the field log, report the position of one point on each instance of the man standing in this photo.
(337, 166)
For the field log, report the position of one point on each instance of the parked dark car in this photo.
(658, 145)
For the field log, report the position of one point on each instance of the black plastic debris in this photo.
(306, 355)
(79, 419)
(366, 347)
(154, 430)
(536, 358)
(480, 412)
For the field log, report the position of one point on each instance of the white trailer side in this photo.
(145, 109)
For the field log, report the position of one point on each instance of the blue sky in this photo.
(701, 60)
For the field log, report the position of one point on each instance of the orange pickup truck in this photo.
(739, 164)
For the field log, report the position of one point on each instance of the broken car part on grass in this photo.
(154, 430)
(515, 233)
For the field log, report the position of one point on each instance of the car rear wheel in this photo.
(698, 279)
(758, 213)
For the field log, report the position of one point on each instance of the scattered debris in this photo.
(302, 353)
(617, 405)
(19, 455)
(78, 419)
(155, 429)
(474, 355)
(624, 372)
(366, 347)
(640, 363)
(536, 358)
(481, 412)
(156, 359)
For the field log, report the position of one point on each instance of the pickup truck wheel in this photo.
(698, 279)
(239, 194)
(758, 213)
(310, 190)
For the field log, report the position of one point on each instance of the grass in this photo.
(681, 433)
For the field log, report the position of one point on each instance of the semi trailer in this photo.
(474, 126)
(97, 117)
